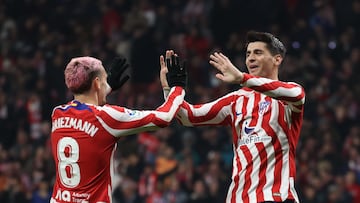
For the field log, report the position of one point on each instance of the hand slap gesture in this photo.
(172, 72)
(229, 73)
(118, 73)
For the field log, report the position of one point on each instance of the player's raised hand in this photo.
(229, 73)
(172, 73)
(164, 69)
(118, 73)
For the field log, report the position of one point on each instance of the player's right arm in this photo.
(218, 112)
(125, 121)
(120, 121)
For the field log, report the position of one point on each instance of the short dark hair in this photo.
(274, 45)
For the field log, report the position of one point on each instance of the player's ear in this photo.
(278, 59)
(96, 83)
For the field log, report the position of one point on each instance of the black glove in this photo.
(177, 74)
(118, 74)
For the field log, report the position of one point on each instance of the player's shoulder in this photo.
(109, 110)
(60, 108)
(297, 85)
(110, 107)
(73, 107)
(243, 91)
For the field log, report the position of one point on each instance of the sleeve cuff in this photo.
(245, 78)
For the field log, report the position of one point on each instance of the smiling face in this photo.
(260, 62)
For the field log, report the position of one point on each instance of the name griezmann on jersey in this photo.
(75, 123)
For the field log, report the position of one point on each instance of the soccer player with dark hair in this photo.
(265, 116)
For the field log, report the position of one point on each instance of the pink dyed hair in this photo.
(80, 72)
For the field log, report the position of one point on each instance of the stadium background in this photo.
(178, 164)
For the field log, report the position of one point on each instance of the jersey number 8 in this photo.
(68, 155)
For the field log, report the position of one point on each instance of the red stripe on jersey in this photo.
(255, 109)
(262, 171)
(236, 179)
(244, 112)
(292, 156)
(296, 126)
(249, 169)
(235, 133)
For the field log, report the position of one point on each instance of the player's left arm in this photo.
(289, 92)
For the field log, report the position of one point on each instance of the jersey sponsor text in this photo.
(67, 196)
(253, 139)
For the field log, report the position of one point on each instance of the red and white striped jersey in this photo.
(265, 117)
(84, 139)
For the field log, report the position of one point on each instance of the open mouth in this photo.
(253, 66)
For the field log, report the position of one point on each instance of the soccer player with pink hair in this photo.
(265, 117)
(85, 131)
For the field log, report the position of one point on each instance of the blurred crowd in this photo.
(178, 164)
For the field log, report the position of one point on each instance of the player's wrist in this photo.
(241, 78)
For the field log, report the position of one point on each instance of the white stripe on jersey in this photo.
(124, 132)
(292, 92)
(254, 175)
(257, 82)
